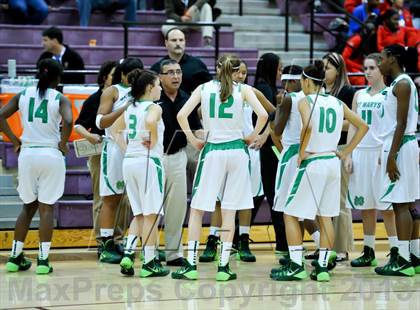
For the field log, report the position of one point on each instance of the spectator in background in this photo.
(406, 20)
(86, 127)
(358, 47)
(194, 71)
(350, 5)
(363, 12)
(87, 6)
(52, 41)
(390, 32)
(187, 12)
(28, 11)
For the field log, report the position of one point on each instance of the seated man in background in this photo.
(31, 12)
(190, 11)
(52, 41)
(87, 6)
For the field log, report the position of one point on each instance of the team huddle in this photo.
(381, 155)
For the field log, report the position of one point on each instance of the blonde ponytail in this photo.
(226, 65)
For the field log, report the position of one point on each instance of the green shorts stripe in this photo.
(224, 146)
(405, 139)
(159, 172)
(299, 176)
(105, 167)
(292, 150)
(350, 201)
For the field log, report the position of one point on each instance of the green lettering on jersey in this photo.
(41, 112)
(132, 125)
(327, 120)
(222, 107)
(367, 116)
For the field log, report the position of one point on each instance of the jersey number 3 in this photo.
(41, 112)
(222, 107)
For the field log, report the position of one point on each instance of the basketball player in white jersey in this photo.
(400, 161)
(287, 125)
(363, 164)
(143, 172)
(41, 165)
(114, 101)
(224, 162)
(242, 244)
(315, 190)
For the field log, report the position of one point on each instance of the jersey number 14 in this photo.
(41, 112)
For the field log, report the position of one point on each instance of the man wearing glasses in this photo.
(175, 159)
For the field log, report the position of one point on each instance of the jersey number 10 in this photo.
(327, 120)
(41, 112)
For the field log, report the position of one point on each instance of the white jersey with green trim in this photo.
(123, 96)
(390, 105)
(327, 122)
(371, 109)
(222, 121)
(135, 120)
(291, 133)
(248, 125)
(40, 117)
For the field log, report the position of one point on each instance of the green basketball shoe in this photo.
(397, 266)
(224, 273)
(153, 268)
(366, 260)
(319, 273)
(290, 272)
(186, 272)
(43, 266)
(18, 263)
(210, 252)
(244, 253)
(127, 264)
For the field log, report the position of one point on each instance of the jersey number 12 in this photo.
(222, 107)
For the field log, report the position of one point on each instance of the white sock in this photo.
(296, 252)
(393, 241)
(131, 244)
(369, 241)
(414, 247)
(149, 253)
(244, 230)
(316, 237)
(17, 248)
(324, 256)
(192, 252)
(225, 248)
(404, 249)
(214, 231)
(44, 250)
(107, 232)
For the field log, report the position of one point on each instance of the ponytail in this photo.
(139, 80)
(226, 65)
(49, 73)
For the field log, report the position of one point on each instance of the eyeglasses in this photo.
(172, 72)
